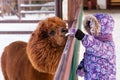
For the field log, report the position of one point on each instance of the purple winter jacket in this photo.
(99, 61)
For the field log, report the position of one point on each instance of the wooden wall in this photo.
(73, 5)
(113, 4)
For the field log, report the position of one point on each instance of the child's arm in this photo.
(97, 47)
(79, 34)
(92, 44)
(76, 33)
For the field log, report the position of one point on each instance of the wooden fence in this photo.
(20, 9)
(69, 57)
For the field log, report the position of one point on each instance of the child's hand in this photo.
(71, 31)
(80, 72)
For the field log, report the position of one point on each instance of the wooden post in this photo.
(1, 8)
(19, 9)
(63, 70)
(73, 5)
(58, 8)
(72, 18)
(30, 3)
(108, 3)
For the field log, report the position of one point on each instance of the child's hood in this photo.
(106, 23)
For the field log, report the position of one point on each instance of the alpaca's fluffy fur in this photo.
(38, 59)
(95, 29)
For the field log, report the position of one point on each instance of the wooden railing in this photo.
(0, 10)
(21, 12)
(64, 68)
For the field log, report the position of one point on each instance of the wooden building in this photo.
(110, 4)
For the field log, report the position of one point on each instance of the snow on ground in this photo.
(5, 39)
(27, 17)
(116, 36)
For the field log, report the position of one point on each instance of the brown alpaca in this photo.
(38, 59)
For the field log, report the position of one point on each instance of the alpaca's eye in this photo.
(52, 32)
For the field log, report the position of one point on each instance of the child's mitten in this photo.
(72, 31)
(75, 33)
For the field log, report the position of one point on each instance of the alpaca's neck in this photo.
(43, 57)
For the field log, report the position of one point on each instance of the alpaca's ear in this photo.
(41, 30)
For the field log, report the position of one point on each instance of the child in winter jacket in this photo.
(99, 61)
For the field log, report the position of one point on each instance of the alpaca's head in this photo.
(52, 30)
(46, 44)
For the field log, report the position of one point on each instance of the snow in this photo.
(27, 17)
(18, 26)
(36, 11)
(38, 5)
(5, 39)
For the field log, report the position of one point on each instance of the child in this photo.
(99, 61)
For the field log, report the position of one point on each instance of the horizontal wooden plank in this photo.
(15, 32)
(37, 5)
(19, 21)
(115, 0)
(23, 21)
(36, 11)
(115, 3)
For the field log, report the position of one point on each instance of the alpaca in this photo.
(39, 58)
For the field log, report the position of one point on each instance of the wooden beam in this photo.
(73, 5)
(20, 21)
(37, 12)
(15, 32)
(63, 70)
(19, 8)
(58, 8)
(71, 12)
(36, 5)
